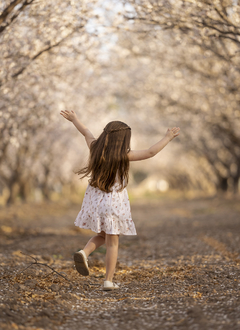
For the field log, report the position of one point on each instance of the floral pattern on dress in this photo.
(108, 212)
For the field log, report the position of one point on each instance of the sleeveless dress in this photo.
(108, 212)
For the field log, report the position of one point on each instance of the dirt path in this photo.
(182, 271)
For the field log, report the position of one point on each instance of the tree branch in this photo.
(8, 10)
(44, 51)
(3, 17)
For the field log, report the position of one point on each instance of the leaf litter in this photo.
(173, 275)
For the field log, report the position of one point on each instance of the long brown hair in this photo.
(108, 157)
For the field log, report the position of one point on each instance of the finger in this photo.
(177, 129)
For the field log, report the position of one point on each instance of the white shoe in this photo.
(81, 263)
(108, 286)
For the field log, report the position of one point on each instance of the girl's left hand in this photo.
(69, 115)
(172, 133)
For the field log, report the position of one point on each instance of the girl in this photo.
(105, 208)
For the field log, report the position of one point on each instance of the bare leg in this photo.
(94, 243)
(111, 255)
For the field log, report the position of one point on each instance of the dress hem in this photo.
(105, 232)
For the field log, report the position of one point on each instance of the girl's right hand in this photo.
(172, 133)
(69, 115)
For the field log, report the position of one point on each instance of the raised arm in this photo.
(71, 116)
(134, 155)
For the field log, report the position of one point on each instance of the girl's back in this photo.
(108, 161)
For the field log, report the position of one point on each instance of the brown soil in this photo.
(182, 271)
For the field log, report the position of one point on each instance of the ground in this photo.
(182, 270)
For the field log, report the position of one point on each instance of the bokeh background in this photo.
(152, 64)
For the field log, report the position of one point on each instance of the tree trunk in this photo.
(236, 180)
(13, 189)
(222, 184)
(25, 189)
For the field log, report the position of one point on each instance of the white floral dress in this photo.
(108, 212)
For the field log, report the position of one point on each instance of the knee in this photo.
(112, 240)
(102, 234)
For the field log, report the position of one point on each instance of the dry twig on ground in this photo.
(36, 262)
